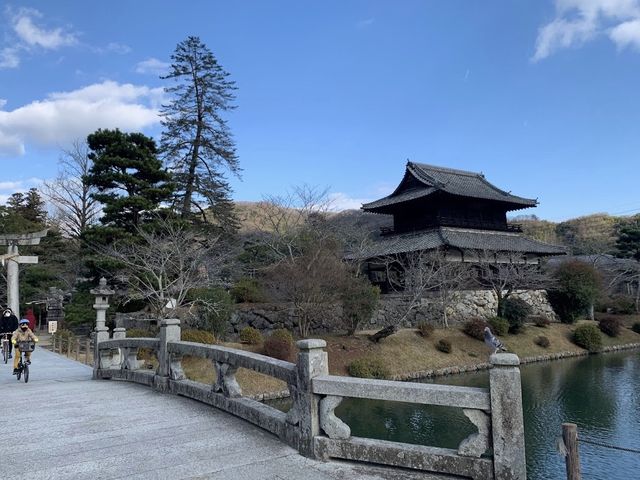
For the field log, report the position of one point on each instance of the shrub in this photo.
(367, 367)
(588, 337)
(444, 345)
(140, 333)
(499, 326)
(425, 329)
(620, 304)
(283, 334)
(278, 347)
(475, 328)
(577, 285)
(198, 336)
(636, 327)
(359, 300)
(251, 336)
(515, 310)
(247, 290)
(214, 310)
(542, 322)
(542, 341)
(610, 326)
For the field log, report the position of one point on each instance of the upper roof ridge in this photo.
(447, 169)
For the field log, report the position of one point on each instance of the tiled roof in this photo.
(465, 239)
(454, 182)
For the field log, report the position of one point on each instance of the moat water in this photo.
(600, 393)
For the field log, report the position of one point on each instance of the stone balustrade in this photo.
(495, 451)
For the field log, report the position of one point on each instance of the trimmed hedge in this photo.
(588, 337)
(542, 341)
(610, 326)
(279, 344)
(499, 326)
(475, 328)
(542, 322)
(251, 336)
(368, 367)
(515, 310)
(198, 336)
(444, 346)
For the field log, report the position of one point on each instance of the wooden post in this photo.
(86, 351)
(53, 343)
(69, 347)
(77, 349)
(570, 438)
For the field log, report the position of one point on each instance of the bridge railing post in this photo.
(507, 422)
(169, 332)
(312, 362)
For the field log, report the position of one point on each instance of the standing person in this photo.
(32, 319)
(8, 324)
(22, 334)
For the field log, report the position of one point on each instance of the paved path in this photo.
(63, 425)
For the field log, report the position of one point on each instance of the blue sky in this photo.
(539, 95)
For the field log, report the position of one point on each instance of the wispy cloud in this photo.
(152, 66)
(580, 21)
(9, 57)
(64, 116)
(341, 201)
(7, 188)
(24, 25)
(365, 23)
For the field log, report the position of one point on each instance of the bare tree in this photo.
(165, 264)
(415, 275)
(506, 274)
(70, 194)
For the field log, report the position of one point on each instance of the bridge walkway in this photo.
(63, 425)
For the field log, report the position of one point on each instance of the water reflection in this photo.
(600, 393)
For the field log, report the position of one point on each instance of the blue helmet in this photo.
(24, 321)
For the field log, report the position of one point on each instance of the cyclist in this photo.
(8, 324)
(22, 334)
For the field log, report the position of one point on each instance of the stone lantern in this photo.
(102, 293)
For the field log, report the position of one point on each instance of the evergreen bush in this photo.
(251, 336)
(542, 322)
(588, 337)
(577, 285)
(515, 311)
(368, 367)
(140, 333)
(198, 336)
(247, 290)
(499, 326)
(444, 345)
(359, 301)
(279, 344)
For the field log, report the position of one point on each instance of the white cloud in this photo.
(3, 102)
(65, 116)
(119, 48)
(8, 188)
(626, 34)
(9, 57)
(341, 201)
(365, 23)
(33, 35)
(152, 66)
(579, 21)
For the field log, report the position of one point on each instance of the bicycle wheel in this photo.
(19, 374)
(26, 373)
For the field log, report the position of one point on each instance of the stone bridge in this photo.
(158, 424)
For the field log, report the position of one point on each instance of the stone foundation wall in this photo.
(267, 317)
(467, 304)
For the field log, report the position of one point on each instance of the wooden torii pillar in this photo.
(12, 259)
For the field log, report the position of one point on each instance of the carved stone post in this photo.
(119, 358)
(506, 417)
(169, 332)
(102, 293)
(312, 362)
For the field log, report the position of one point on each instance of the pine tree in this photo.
(128, 177)
(196, 141)
(628, 242)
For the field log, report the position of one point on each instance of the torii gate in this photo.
(13, 258)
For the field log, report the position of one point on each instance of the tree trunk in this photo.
(384, 333)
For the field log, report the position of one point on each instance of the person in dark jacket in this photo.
(8, 324)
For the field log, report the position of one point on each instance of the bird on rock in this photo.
(492, 341)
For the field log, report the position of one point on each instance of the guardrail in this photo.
(80, 350)
(496, 451)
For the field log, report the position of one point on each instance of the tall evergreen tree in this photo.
(196, 141)
(128, 177)
(628, 242)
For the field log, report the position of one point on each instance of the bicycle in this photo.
(5, 347)
(23, 364)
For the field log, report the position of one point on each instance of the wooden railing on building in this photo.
(496, 451)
